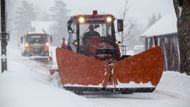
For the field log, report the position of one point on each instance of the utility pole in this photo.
(3, 37)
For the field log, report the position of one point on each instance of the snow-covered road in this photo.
(28, 84)
(173, 91)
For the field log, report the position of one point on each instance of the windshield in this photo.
(36, 38)
(102, 28)
(95, 29)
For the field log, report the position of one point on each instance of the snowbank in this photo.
(174, 82)
(28, 84)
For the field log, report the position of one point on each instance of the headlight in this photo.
(81, 20)
(26, 45)
(66, 42)
(47, 44)
(109, 19)
(75, 43)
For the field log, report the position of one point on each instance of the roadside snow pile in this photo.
(174, 82)
(27, 84)
(19, 89)
(176, 86)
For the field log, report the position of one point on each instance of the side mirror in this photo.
(119, 25)
(21, 39)
(70, 30)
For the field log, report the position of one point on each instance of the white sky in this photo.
(140, 10)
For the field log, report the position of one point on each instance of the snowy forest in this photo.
(96, 53)
(26, 12)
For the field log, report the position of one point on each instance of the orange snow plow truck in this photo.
(90, 61)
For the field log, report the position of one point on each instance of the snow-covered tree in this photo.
(24, 15)
(11, 6)
(132, 30)
(59, 15)
(133, 33)
(153, 19)
(182, 8)
(41, 15)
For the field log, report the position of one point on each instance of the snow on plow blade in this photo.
(137, 73)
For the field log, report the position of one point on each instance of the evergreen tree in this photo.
(131, 34)
(59, 15)
(41, 15)
(11, 7)
(24, 15)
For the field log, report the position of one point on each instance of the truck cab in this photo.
(101, 41)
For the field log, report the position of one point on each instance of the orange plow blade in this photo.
(129, 74)
(77, 69)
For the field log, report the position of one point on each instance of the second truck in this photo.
(36, 45)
